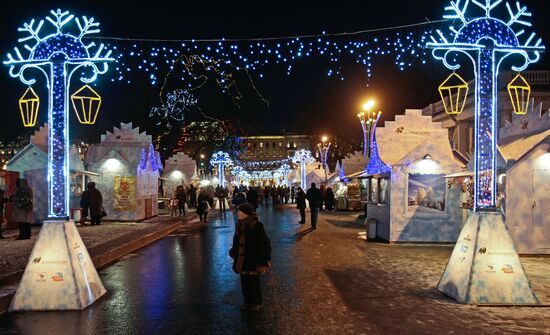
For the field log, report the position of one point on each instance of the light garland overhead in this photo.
(154, 58)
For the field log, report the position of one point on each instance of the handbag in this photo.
(24, 201)
(103, 213)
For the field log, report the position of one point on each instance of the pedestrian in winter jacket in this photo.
(315, 199)
(95, 201)
(329, 199)
(22, 198)
(251, 253)
(301, 204)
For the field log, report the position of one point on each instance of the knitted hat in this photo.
(247, 209)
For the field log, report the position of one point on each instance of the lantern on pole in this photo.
(86, 103)
(520, 94)
(28, 105)
(454, 91)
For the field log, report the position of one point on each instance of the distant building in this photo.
(8, 149)
(268, 148)
(461, 127)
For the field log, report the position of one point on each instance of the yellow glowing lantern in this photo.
(520, 94)
(28, 105)
(454, 92)
(86, 103)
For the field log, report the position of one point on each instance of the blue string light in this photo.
(155, 58)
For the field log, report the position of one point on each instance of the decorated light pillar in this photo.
(60, 274)
(303, 157)
(58, 56)
(285, 170)
(221, 160)
(324, 148)
(485, 267)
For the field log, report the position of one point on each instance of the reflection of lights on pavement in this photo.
(112, 164)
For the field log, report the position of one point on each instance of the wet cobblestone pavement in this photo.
(325, 281)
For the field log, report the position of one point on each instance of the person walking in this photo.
(173, 205)
(313, 195)
(96, 204)
(329, 199)
(22, 198)
(301, 204)
(221, 195)
(251, 253)
(192, 196)
(182, 199)
(252, 197)
(293, 194)
(84, 206)
(202, 205)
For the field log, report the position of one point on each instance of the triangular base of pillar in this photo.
(60, 274)
(484, 267)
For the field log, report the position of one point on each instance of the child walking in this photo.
(173, 206)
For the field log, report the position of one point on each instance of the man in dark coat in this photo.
(22, 210)
(252, 197)
(192, 196)
(314, 197)
(301, 204)
(95, 203)
(251, 253)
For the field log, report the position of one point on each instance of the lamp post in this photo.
(303, 157)
(285, 170)
(484, 240)
(366, 118)
(324, 148)
(221, 160)
(59, 56)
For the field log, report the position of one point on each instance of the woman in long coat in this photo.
(251, 253)
(22, 210)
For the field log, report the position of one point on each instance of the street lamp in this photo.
(367, 118)
(324, 148)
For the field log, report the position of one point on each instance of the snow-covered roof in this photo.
(398, 139)
(515, 150)
(126, 135)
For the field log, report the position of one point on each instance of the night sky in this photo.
(307, 101)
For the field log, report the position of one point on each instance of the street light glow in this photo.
(368, 105)
(324, 138)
